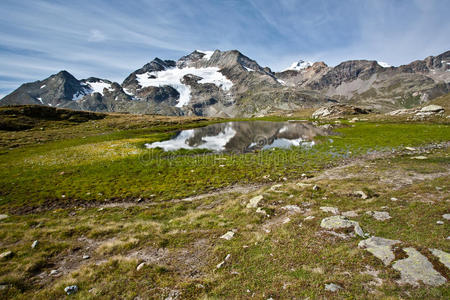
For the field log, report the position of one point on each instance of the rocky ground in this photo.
(371, 226)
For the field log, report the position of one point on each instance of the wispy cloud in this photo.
(110, 39)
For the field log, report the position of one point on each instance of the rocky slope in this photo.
(228, 83)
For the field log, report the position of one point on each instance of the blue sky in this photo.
(110, 39)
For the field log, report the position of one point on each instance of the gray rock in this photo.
(54, 272)
(253, 203)
(86, 257)
(380, 248)
(140, 266)
(2, 217)
(443, 257)
(446, 216)
(332, 287)
(361, 194)
(35, 244)
(333, 210)
(71, 289)
(228, 236)
(292, 208)
(309, 218)
(416, 268)
(340, 222)
(350, 214)
(379, 215)
(440, 222)
(219, 265)
(6, 255)
(420, 157)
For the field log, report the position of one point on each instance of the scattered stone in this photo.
(54, 272)
(292, 208)
(140, 266)
(361, 194)
(440, 222)
(443, 256)
(35, 244)
(333, 210)
(101, 209)
(2, 217)
(432, 109)
(259, 210)
(350, 214)
(380, 248)
(6, 255)
(340, 222)
(253, 203)
(86, 257)
(286, 220)
(219, 265)
(304, 185)
(394, 199)
(379, 215)
(377, 281)
(332, 287)
(228, 236)
(410, 148)
(71, 289)
(316, 188)
(446, 216)
(417, 268)
(421, 157)
(3, 287)
(309, 218)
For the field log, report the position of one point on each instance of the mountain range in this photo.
(230, 84)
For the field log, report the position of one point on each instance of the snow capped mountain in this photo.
(383, 64)
(299, 65)
(228, 84)
(174, 77)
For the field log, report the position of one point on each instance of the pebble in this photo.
(309, 218)
(6, 254)
(228, 236)
(361, 194)
(316, 187)
(86, 257)
(54, 272)
(140, 266)
(35, 244)
(394, 199)
(446, 216)
(2, 217)
(419, 157)
(253, 203)
(71, 289)
(333, 210)
(332, 287)
(440, 222)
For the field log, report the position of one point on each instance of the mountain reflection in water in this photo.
(243, 136)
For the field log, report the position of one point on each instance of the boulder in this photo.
(416, 268)
(380, 248)
(341, 222)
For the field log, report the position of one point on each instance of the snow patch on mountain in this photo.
(299, 65)
(173, 77)
(208, 54)
(248, 69)
(97, 87)
(383, 64)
